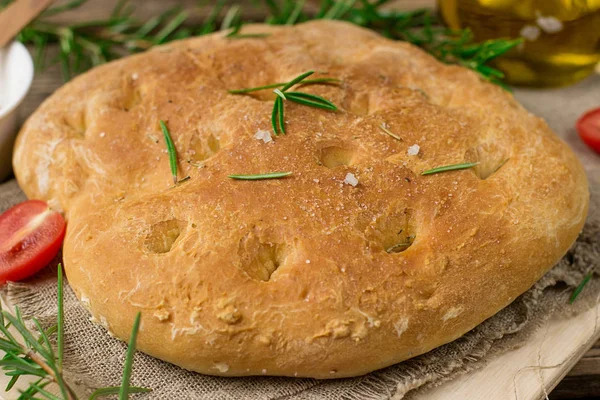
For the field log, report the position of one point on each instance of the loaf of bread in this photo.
(355, 261)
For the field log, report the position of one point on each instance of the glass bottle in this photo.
(561, 37)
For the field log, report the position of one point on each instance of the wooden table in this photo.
(583, 382)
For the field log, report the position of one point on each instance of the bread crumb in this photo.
(222, 367)
(263, 135)
(350, 179)
(452, 313)
(401, 326)
(413, 150)
(162, 315)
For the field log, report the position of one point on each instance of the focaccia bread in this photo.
(354, 262)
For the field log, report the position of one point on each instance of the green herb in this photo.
(171, 150)
(187, 178)
(269, 175)
(452, 167)
(579, 288)
(36, 357)
(124, 392)
(248, 35)
(306, 99)
(384, 128)
(281, 84)
(86, 44)
(397, 248)
(501, 165)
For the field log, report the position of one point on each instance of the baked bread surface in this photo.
(306, 275)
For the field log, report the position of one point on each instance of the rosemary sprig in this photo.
(170, 149)
(27, 355)
(453, 167)
(579, 288)
(306, 99)
(255, 177)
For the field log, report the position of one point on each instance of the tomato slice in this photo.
(30, 236)
(588, 126)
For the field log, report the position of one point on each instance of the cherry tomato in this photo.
(30, 236)
(588, 126)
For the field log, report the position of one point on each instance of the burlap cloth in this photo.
(94, 359)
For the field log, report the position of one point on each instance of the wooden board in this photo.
(529, 372)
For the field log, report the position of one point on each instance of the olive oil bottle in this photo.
(561, 38)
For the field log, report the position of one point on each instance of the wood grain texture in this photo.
(583, 382)
(18, 15)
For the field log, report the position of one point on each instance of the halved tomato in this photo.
(588, 126)
(31, 234)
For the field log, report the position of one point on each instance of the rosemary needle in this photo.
(280, 84)
(124, 391)
(452, 167)
(256, 177)
(579, 288)
(171, 150)
(386, 130)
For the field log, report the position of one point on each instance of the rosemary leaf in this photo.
(255, 177)
(280, 114)
(233, 35)
(387, 131)
(124, 389)
(579, 288)
(293, 17)
(45, 393)
(274, 116)
(296, 80)
(280, 94)
(170, 149)
(453, 167)
(311, 100)
(276, 85)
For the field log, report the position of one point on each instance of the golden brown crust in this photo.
(292, 276)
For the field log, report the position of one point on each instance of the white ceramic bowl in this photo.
(16, 74)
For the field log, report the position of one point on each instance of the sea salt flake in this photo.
(530, 32)
(549, 24)
(413, 150)
(134, 76)
(308, 261)
(263, 135)
(102, 134)
(350, 179)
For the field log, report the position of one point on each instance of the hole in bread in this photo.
(132, 99)
(357, 103)
(203, 147)
(393, 232)
(162, 236)
(335, 156)
(259, 259)
(76, 122)
(491, 159)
